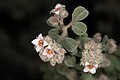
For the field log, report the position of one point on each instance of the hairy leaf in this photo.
(54, 34)
(70, 61)
(70, 44)
(79, 28)
(79, 14)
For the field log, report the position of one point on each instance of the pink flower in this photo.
(57, 8)
(39, 43)
(48, 52)
(90, 68)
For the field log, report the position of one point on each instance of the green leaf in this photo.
(62, 69)
(69, 44)
(84, 35)
(70, 61)
(79, 28)
(79, 53)
(86, 76)
(114, 65)
(74, 53)
(71, 74)
(78, 67)
(79, 13)
(54, 34)
(118, 51)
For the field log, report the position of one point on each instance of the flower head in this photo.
(90, 68)
(39, 43)
(48, 52)
(92, 53)
(92, 56)
(57, 8)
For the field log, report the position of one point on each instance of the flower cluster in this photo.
(60, 10)
(91, 56)
(49, 50)
(59, 13)
(57, 9)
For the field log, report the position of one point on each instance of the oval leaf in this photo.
(79, 28)
(87, 76)
(70, 61)
(71, 74)
(74, 53)
(69, 44)
(62, 70)
(54, 34)
(79, 14)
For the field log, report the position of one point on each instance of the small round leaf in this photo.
(69, 44)
(79, 14)
(79, 28)
(54, 34)
(70, 61)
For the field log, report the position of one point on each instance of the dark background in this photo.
(22, 20)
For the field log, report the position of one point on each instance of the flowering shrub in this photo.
(75, 52)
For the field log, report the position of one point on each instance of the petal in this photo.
(40, 36)
(48, 47)
(96, 66)
(86, 69)
(50, 56)
(57, 12)
(58, 5)
(35, 41)
(86, 63)
(45, 44)
(44, 52)
(93, 71)
(38, 48)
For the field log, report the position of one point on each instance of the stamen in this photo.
(57, 9)
(49, 51)
(90, 66)
(40, 42)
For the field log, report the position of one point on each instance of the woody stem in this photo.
(64, 32)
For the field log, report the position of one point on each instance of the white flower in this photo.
(57, 8)
(48, 52)
(39, 43)
(90, 68)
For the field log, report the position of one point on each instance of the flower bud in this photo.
(53, 21)
(111, 44)
(63, 13)
(97, 37)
